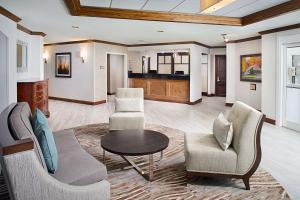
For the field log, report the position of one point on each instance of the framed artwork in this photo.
(63, 65)
(251, 68)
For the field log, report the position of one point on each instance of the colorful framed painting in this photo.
(251, 68)
(63, 65)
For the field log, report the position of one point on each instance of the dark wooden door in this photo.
(220, 78)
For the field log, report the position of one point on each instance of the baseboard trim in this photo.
(78, 101)
(211, 95)
(204, 93)
(111, 93)
(229, 104)
(166, 100)
(195, 102)
(270, 121)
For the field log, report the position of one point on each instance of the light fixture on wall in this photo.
(83, 55)
(45, 57)
(225, 38)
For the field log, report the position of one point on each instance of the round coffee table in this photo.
(135, 143)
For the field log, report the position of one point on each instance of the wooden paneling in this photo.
(163, 90)
(271, 12)
(36, 94)
(77, 10)
(9, 15)
(157, 87)
(178, 89)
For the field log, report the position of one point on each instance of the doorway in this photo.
(115, 72)
(4, 71)
(291, 88)
(220, 75)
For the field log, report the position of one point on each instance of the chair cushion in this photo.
(129, 105)
(46, 140)
(223, 132)
(203, 154)
(127, 120)
(75, 165)
(238, 116)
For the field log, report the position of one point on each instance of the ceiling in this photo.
(53, 18)
(238, 8)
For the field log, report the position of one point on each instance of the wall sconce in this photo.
(83, 55)
(45, 57)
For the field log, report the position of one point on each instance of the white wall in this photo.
(212, 71)
(241, 89)
(272, 84)
(80, 86)
(135, 61)
(3, 70)
(100, 69)
(9, 29)
(116, 72)
(35, 56)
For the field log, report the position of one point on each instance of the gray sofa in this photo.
(79, 175)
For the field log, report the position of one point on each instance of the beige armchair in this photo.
(129, 109)
(204, 156)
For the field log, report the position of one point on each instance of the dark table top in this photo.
(160, 76)
(134, 142)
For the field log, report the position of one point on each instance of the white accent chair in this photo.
(129, 110)
(204, 156)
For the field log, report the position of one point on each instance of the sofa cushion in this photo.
(75, 165)
(203, 154)
(129, 105)
(20, 127)
(46, 140)
(127, 120)
(223, 132)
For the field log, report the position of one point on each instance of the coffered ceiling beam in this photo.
(274, 11)
(76, 9)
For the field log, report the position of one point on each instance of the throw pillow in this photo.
(223, 131)
(46, 141)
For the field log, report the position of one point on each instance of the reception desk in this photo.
(162, 87)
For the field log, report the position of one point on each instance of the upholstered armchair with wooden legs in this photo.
(129, 110)
(204, 156)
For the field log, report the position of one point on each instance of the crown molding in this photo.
(284, 28)
(134, 45)
(245, 39)
(9, 15)
(26, 30)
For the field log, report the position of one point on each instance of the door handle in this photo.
(218, 79)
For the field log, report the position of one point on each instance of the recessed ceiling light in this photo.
(77, 27)
(160, 31)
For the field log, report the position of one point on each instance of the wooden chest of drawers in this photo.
(35, 93)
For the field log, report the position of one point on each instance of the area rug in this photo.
(169, 173)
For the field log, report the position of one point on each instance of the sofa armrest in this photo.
(28, 180)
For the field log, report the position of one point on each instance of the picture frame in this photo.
(63, 65)
(250, 68)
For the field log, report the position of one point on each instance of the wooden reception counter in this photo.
(162, 87)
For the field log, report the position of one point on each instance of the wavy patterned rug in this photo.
(169, 174)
